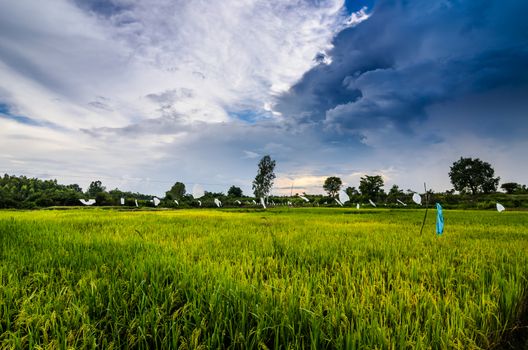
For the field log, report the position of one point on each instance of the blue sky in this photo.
(142, 94)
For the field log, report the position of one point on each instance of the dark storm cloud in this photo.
(356, 5)
(106, 8)
(408, 56)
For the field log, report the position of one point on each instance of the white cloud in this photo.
(227, 54)
(356, 18)
(144, 97)
(177, 62)
(251, 155)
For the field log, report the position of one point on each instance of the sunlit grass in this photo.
(289, 278)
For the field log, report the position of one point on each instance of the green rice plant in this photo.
(283, 278)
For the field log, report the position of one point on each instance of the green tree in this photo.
(177, 191)
(212, 195)
(511, 187)
(75, 188)
(395, 193)
(332, 185)
(473, 175)
(265, 176)
(352, 193)
(234, 191)
(104, 198)
(24, 192)
(371, 186)
(95, 188)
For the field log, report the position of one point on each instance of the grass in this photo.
(282, 278)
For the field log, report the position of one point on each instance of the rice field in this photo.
(277, 279)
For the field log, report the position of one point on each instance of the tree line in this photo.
(471, 178)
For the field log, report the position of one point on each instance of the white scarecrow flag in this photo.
(304, 198)
(137, 205)
(399, 201)
(417, 199)
(238, 202)
(262, 202)
(88, 202)
(338, 202)
(156, 201)
(175, 201)
(197, 192)
(254, 202)
(357, 206)
(122, 201)
(372, 203)
(343, 197)
(217, 202)
(289, 203)
(500, 208)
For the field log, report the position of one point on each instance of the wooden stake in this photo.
(426, 207)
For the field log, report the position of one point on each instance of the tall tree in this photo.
(351, 191)
(265, 176)
(234, 191)
(473, 175)
(371, 186)
(332, 185)
(95, 188)
(177, 191)
(395, 192)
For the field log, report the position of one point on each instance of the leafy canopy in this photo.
(511, 187)
(177, 191)
(473, 175)
(265, 176)
(95, 188)
(332, 185)
(371, 186)
(395, 192)
(234, 191)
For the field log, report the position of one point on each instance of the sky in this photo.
(141, 94)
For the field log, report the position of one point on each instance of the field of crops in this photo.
(282, 278)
